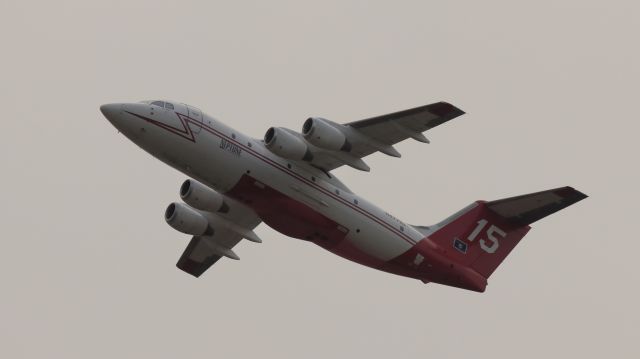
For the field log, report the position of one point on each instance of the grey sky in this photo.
(550, 89)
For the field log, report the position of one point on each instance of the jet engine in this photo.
(187, 220)
(199, 196)
(285, 144)
(322, 133)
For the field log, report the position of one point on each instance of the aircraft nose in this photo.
(111, 111)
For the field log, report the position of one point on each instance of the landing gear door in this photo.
(196, 115)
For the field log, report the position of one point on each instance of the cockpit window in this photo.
(168, 106)
(158, 103)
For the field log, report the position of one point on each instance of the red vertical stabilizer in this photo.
(466, 248)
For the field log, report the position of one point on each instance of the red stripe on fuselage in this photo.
(185, 133)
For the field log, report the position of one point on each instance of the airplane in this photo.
(285, 180)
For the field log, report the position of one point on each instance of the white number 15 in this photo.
(491, 236)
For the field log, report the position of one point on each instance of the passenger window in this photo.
(158, 103)
(168, 106)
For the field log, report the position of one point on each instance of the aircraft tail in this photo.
(480, 236)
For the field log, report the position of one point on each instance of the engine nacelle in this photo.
(187, 220)
(287, 145)
(323, 134)
(199, 196)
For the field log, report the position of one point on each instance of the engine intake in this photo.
(285, 144)
(322, 133)
(202, 197)
(187, 220)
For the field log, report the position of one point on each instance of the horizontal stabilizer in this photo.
(528, 208)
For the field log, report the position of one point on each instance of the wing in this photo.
(197, 258)
(379, 134)
(228, 230)
(398, 126)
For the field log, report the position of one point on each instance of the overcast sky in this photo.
(87, 264)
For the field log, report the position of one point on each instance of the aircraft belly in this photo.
(310, 216)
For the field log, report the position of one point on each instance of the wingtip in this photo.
(190, 267)
(574, 193)
(445, 110)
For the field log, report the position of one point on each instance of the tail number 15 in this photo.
(492, 235)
